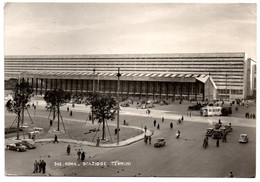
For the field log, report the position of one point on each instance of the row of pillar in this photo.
(147, 89)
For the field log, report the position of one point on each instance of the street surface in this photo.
(183, 157)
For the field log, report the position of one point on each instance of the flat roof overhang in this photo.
(158, 77)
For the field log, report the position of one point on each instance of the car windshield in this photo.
(243, 137)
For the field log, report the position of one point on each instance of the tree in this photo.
(21, 96)
(104, 108)
(56, 98)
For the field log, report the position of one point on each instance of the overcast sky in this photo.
(99, 28)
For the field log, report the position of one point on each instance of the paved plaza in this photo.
(183, 157)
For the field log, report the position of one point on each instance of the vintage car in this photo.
(29, 143)
(16, 147)
(216, 134)
(209, 132)
(159, 142)
(243, 138)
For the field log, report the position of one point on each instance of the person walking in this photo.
(51, 123)
(217, 143)
(70, 113)
(55, 139)
(98, 141)
(82, 156)
(171, 125)
(79, 154)
(43, 166)
(231, 174)
(145, 128)
(35, 167)
(150, 139)
(68, 149)
(158, 126)
(182, 118)
(162, 119)
(68, 109)
(145, 139)
(40, 166)
(154, 123)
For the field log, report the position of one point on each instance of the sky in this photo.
(129, 28)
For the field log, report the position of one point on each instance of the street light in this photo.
(118, 85)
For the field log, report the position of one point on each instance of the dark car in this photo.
(159, 142)
(16, 147)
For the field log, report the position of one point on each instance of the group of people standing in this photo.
(39, 166)
(81, 155)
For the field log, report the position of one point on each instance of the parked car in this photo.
(243, 138)
(16, 147)
(159, 142)
(30, 144)
(209, 132)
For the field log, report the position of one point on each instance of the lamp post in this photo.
(118, 89)
(93, 95)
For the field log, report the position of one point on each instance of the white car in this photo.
(159, 142)
(243, 138)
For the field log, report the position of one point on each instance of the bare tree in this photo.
(56, 98)
(21, 96)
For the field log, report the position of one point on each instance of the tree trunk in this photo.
(54, 113)
(18, 125)
(58, 110)
(103, 134)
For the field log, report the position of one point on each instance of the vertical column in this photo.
(71, 82)
(32, 83)
(51, 84)
(134, 87)
(203, 91)
(41, 85)
(153, 83)
(104, 86)
(160, 90)
(167, 89)
(188, 89)
(46, 85)
(109, 87)
(174, 90)
(181, 87)
(66, 84)
(196, 90)
(77, 82)
(147, 89)
(141, 88)
(56, 83)
(128, 87)
(61, 80)
(36, 86)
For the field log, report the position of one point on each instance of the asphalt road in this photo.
(184, 157)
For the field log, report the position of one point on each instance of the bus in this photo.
(211, 111)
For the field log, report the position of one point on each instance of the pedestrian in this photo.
(171, 125)
(51, 123)
(43, 166)
(154, 123)
(145, 128)
(115, 131)
(182, 118)
(124, 122)
(68, 109)
(178, 133)
(217, 143)
(40, 166)
(68, 149)
(219, 121)
(150, 139)
(98, 141)
(82, 156)
(224, 137)
(55, 139)
(145, 139)
(231, 174)
(79, 154)
(190, 114)
(162, 119)
(70, 113)
(35, 167)
(158, 126)
(33, 136)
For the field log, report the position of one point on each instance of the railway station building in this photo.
(187, 76)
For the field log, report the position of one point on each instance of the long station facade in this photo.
(197, 76)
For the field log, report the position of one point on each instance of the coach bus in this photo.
(211, 111)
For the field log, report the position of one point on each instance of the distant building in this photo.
(197, 76)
